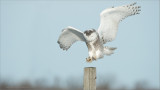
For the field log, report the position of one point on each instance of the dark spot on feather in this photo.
(89, 32)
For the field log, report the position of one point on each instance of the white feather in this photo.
(110, 18)
(68, 36)
(99, 54)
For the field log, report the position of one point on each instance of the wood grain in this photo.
(89, 82)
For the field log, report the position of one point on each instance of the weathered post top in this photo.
(89, 78)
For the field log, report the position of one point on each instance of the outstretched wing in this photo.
(68, 36)
(110, 18)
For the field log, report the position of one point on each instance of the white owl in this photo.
(109, 20)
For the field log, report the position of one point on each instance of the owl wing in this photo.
(111, 17)
(68, 36)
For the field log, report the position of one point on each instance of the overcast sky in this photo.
(30, 29)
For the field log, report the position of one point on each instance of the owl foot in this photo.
(89, 59)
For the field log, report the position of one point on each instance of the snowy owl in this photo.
(109, 20)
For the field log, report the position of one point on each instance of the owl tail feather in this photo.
(109, 50)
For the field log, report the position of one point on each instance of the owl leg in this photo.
(94, 58)
(89, 59)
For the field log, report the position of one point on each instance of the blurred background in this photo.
(31, 59)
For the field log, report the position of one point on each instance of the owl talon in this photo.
(89, 59)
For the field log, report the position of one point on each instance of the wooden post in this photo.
(89, 78)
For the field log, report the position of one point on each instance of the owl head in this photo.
(90, 35)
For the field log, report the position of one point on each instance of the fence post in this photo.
(89, 82)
